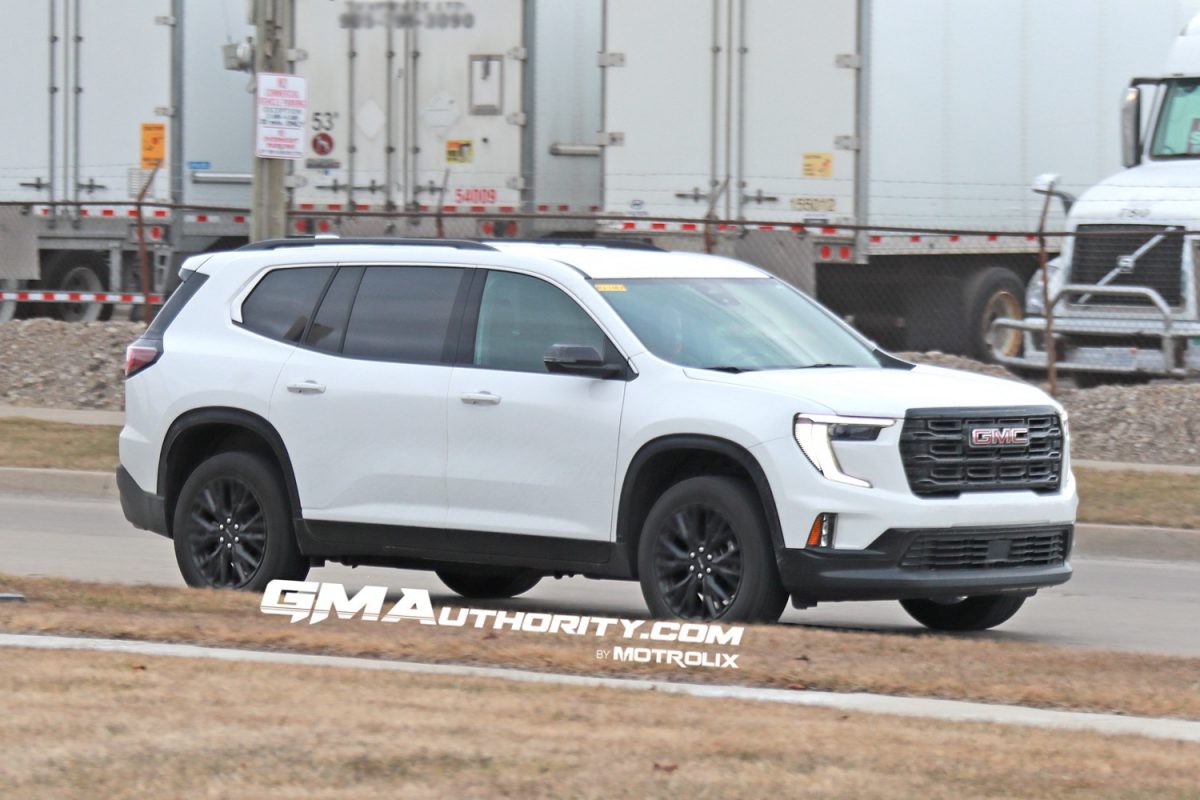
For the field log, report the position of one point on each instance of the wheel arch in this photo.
(667, 460)
(201, 433)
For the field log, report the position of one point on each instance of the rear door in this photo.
(361, 404)
(531, 452)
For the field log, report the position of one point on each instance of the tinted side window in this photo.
(520, 317)
(283, 302)
(403, 313)
(329, 326)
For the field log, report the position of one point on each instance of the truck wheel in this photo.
(705, 554)
(76, 271)
(990, 294)
(232, 527)
(487, 583)
(964, 613)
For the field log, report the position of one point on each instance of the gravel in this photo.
(55, 364)
(52, 364)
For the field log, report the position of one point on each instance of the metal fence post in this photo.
(1051, 348)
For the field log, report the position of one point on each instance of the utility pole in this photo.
(273, 37)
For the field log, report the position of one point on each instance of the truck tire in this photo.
(77, 271)
(488, 583)
(964, 613)
(990, 294)
(233, 525)
(705, 554)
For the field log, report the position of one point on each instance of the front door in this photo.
(531, 452)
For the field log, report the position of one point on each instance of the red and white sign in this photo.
(281, 116)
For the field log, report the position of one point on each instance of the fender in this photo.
(627, 535)
(235, 417)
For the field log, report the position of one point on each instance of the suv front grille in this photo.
(1159, 268)
(940, 459)
(988, 549)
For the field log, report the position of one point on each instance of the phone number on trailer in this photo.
(406, 14)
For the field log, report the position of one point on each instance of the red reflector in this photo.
(138, 357)
(335, 206)
(323, 226)
(844, 254)
(239, 218)
(156, 233)
(629, 226)
(826, 252)
(202, 218)
(688, 226)
(108, 212)
(160, 213)
(487, 228)
(658, 226)
(301, 226)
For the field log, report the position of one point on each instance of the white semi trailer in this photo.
(786, 112)
(1124, 295)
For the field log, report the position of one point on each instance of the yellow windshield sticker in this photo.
(610, 287)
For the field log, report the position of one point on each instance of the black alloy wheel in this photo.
(233, 525)
(698, 562)
(226, 533)
(705, 553)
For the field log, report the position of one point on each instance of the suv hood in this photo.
(882, 392)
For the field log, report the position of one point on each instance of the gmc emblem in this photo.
(995, 437)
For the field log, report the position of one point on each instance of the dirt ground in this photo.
(969, 667)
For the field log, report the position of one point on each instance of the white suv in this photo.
(503, 412)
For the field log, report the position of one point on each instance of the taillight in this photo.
(140, 355)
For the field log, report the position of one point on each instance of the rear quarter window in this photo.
(282, 304)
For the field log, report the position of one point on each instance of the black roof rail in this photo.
(614, 244)
(311, 241)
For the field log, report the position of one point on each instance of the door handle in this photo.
(307, 387)
(481, 399)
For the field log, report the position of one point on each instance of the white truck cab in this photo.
(1123, 293)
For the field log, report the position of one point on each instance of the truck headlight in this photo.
(815, 433)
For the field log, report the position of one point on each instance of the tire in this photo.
(990, 294)
(964, 614)
(248, 491)
(77, 271)
(709, 523)
(487, 583)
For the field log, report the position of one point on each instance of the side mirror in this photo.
(579, 359)
(1045, 184)
(1131, 127)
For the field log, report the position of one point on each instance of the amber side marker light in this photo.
(822, 532)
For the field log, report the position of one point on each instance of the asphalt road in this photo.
(1121, 604)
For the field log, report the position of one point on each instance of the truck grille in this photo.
(1159, 268)
(940, 459)
(988, 549)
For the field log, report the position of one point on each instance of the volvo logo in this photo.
(998, 437)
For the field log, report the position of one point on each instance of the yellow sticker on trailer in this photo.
(154, 144)
(610, 287)
(818, 165)
(459, 151)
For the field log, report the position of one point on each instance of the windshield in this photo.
(733, 324)
(1177, 134)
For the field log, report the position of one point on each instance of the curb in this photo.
(73, 416)
(59, 483)
(926, 707)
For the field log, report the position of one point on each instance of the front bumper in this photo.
(899, 565)
(143, 509)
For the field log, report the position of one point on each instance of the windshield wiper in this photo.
(730, 369)
(823, 366)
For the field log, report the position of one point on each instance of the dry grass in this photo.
(962, 667)
(28, 442)
(121, 726)
(1139, 498)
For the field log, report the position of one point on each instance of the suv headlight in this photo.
(815, 433)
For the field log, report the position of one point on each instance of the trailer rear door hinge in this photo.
(517, 118)
(516, 182)
(610, 59)
(847, 143)
(611, 139)
(848, 61)
(297, 54)
(164, 111)
(518, 53)
(164, 20)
